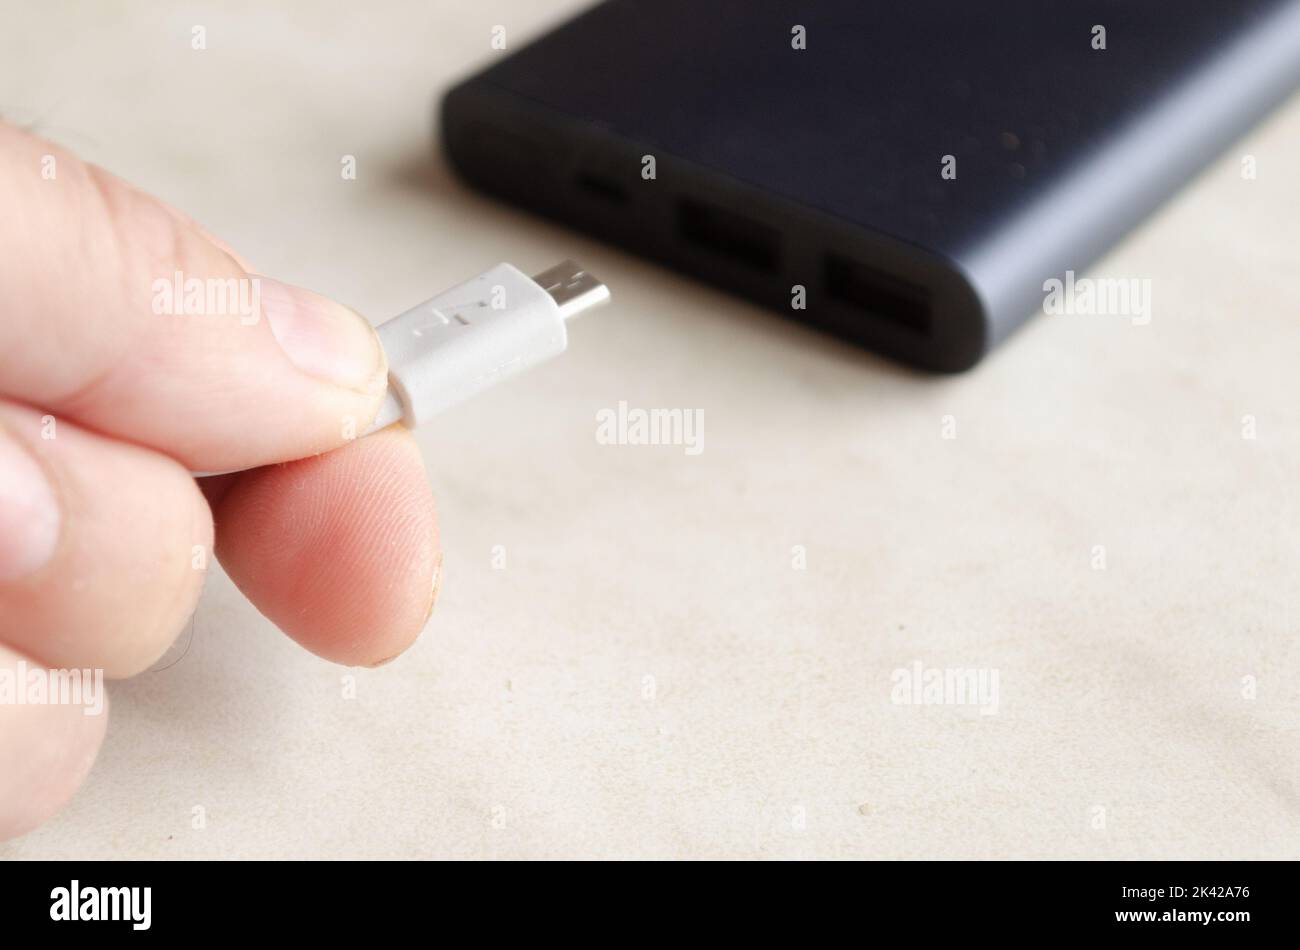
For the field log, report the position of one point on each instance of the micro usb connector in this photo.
(478, 333)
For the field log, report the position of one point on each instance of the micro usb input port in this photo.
(602, 186)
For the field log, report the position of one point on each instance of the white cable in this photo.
(475, 335)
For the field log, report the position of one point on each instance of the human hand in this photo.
(107, 405)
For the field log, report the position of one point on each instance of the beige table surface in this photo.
(649, 675)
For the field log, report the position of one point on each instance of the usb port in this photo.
(880, 295)
(729, 234)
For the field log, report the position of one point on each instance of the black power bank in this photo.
(920, 168)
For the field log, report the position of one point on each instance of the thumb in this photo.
(120, 314)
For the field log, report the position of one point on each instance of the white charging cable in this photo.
(475, 335)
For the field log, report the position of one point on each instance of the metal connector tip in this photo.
(572, 288)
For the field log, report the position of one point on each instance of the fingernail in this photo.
(433, 600)
(29, 513)
(437, 583)
(322, 337)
